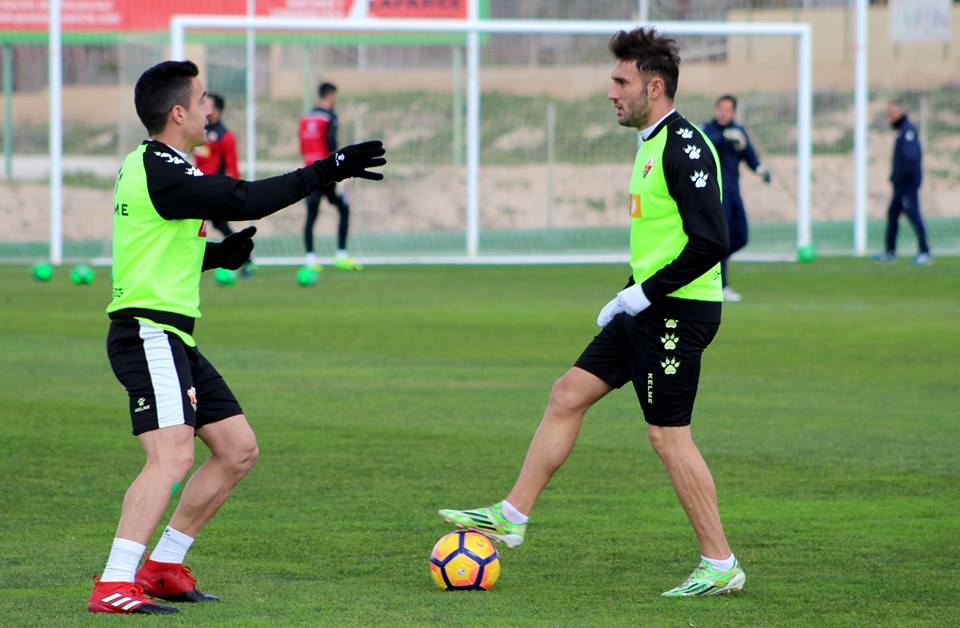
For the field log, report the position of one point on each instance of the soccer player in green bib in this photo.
(162, 206)
(654, 331)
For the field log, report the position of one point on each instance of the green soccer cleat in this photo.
(708, 580)
(488, 520)
(346, 263)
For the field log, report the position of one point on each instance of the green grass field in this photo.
(828, 411)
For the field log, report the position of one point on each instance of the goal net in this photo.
(553, 167)
(549, 179)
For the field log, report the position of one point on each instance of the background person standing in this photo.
(906, 175)
(318, 138)
(218, 155)
(733, 146)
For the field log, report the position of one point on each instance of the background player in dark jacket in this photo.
(219, 154)
(733, 146)
(318, 138)
(906, 175)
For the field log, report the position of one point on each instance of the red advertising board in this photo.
(419, 8)
(138, 16)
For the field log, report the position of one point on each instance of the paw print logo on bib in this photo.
(670, 366)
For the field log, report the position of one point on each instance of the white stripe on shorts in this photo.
(163, 374)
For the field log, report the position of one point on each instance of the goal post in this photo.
(472, 29)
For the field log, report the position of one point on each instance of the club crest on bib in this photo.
(647, 167)
(633, 205)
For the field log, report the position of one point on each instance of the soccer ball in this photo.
(463, 561)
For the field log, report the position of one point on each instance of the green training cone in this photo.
(82, 274)
(307, 276)
(225, 276)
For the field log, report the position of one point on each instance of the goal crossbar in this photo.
(473, 28)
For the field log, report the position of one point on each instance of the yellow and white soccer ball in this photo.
(465, 560)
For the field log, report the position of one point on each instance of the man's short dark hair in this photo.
(325, 89)
(652, 53)
(730, 97)
(218, 101)
(159, 89)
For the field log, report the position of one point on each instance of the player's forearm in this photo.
(225, 198)
(697, 257)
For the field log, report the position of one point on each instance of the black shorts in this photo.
(169, 382)
(661, 356)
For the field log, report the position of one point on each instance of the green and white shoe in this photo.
(488, 520)
(708, 580)
(346, 263)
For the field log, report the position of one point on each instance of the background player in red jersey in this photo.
(318, 138)
(219, 154)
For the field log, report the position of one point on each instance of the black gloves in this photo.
(232, 253)
(353, 161)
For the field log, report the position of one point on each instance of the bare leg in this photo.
(572, 395)
(169, 458)
(694, 486)
(233, 452)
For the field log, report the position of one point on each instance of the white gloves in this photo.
(609, 310)
(764, 172)
(631, 300)
(736, 137)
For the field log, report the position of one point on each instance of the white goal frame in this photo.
(473, 27)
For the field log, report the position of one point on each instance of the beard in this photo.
(638, 115)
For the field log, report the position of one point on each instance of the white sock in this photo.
(311, 259)
(172, 546)
(342, 254)
(124, 559)
(512, 514)
(722, 565)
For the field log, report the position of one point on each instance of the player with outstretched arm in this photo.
(161, 208)
(654, 331)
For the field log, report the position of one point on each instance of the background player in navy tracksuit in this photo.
(733, 146)
(906, 176)
(318, 138)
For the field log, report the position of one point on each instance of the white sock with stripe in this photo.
(721, 565)
(172, 546)
(512, 515)
(124, 559)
